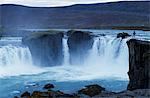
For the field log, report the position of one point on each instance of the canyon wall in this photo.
(139, 64)
(46, 48)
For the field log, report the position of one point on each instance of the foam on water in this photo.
(66, 51)
(107, 58)
(16, 60)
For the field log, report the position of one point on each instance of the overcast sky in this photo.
(53, 3)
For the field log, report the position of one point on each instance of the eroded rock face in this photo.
(48, 86)
(46, 48)
(123, 35)
(25, 94)
(79, 44)
(139, 64)
(94, 91)
(91, 90)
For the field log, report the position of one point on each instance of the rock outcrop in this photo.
(46, 48)
(139, 93)
(25, 94)
(48, 86)
(79, 44)
(91, 90)
(123, 35)
(47, 94)
(139, 64)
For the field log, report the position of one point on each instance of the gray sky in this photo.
(52, 3)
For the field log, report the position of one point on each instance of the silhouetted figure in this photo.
(134, 33)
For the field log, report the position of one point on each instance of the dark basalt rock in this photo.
(46, 47)
(79, 43)
(48, 86)
(25, 95)
(123, 35)
(139, 64)
(51, 94)
(91, 90)
(38, 94)
(94, 91)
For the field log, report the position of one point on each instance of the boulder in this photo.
(48, 86)
(79, 43)
(139, 64)
(91, 90)
(25, 95)
(39, 94)
(51, 94)
(46, 47)
(123, 35)
(139, 93)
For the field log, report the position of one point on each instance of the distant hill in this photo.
(103, 15)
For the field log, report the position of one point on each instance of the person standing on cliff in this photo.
(134, 33)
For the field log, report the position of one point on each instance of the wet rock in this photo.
(60, 94)
(51, 94)
(123, 35)
(139, 93)
(94, 91)
(79, 43)
(25, 95)
(91, 90)
(48, 86)
(139, 64)
(46, 47)
(38, 94)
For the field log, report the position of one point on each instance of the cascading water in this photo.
(66, 51)
(16, 60)
(14, 55)
(108, 57)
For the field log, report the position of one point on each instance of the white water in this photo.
(107, 58)
(66, 51)
(16, 60)
(15, 55)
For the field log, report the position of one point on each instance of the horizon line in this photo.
(67, 5)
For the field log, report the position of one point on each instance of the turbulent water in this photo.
(66, 51)
(15, 60)
(108, 59)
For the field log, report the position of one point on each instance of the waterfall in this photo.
(15, 55)
(108, 57)
(66, 51)
(16, 60)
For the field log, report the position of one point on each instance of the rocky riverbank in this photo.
(79, 43)
(89, 91)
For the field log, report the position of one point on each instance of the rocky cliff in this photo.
(46, 48)
(139, 64)
(79, 44)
